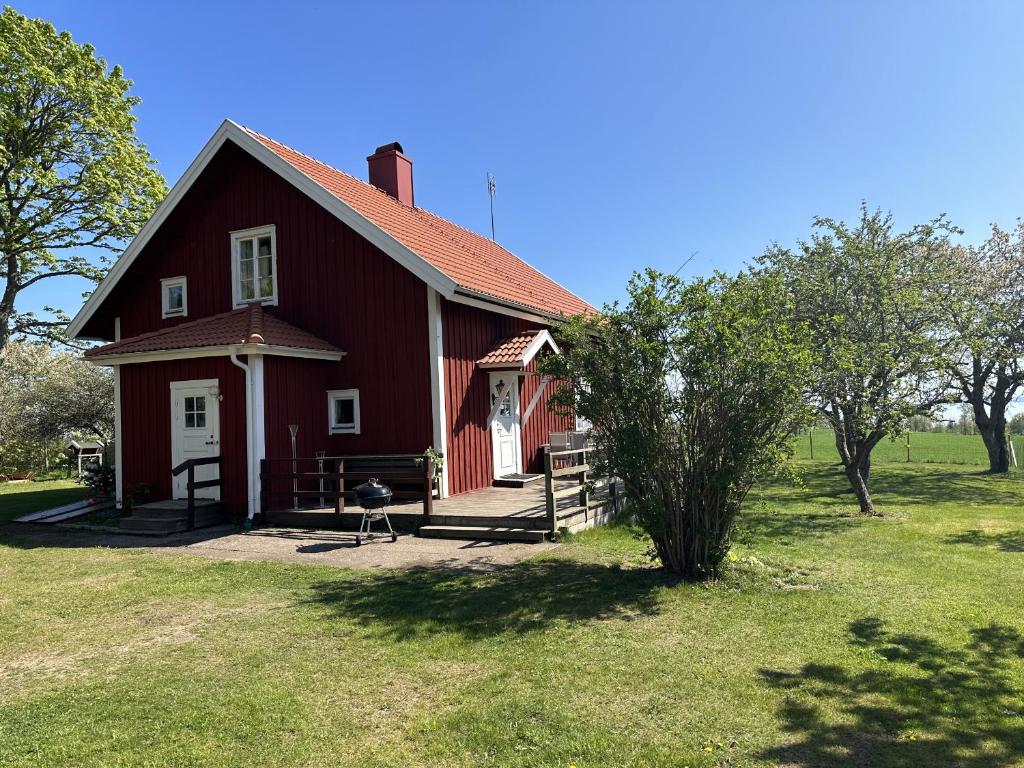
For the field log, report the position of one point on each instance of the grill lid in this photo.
(372, 493)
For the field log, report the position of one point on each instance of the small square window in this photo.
(343, 411)
(174, 297)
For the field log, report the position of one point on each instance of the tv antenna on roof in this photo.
(492, 187)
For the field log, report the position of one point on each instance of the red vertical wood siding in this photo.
(469, 333)
(331, 282)
(146, 425)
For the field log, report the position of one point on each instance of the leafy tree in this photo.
(989, 315)
(877, 304)
(693, 391)
(1016, 424)
(47, 395)
(73, 175)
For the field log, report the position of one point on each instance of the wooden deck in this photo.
(496, 502)
(521, 507)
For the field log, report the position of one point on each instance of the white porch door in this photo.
(195, 432)
(505, 428)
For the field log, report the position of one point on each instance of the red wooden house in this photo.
(270, 290)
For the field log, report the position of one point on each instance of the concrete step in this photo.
(481, 533)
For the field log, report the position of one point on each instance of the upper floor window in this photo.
(254, 266)
(174, 297)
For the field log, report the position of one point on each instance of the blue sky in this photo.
(621, 135)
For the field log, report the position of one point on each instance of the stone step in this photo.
(481, 533)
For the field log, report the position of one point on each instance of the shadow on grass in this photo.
(789, 527)
(921, 704)
(525, 598)
(1004, 541)
(900, 484)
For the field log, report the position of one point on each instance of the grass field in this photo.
(925, 448)
(832, 640)
(18, 499)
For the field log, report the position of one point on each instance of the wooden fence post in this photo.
(549, 493)
(584, 491)
(428, 489)
(339, 503)
(191, 508)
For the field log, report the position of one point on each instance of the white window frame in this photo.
(172, 282)
(251, 234)
(343, 394)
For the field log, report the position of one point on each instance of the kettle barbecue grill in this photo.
(374, 498)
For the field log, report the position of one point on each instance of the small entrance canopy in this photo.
(514, 354)
(517, 352)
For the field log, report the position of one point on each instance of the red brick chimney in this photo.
(391, 172)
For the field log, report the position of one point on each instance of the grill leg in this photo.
(394, 536)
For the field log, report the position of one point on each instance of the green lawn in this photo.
(833, 640)
(925, 447)
(18, 499)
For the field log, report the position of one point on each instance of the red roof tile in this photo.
(469, 259)
(251, 325)
(510, 351)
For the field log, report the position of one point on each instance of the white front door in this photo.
(195, 432)
(505, 427)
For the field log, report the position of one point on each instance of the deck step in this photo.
(515, 481)
(528, 522)
(163, 518)
(481, 533)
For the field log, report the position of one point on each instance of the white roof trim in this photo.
(491, 303)
(543, 337)
(229, 130)
(217, 351)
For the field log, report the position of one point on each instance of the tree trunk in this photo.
(858, 480)
(994, 435)
(991, 424)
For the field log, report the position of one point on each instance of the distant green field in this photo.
(925, 447)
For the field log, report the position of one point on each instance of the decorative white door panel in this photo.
(195, 432)
(505, 428)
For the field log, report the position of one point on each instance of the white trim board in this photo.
(221, 351)
(435, 343)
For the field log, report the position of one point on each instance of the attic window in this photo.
(174, 297)
(343, 411)
(254, 266)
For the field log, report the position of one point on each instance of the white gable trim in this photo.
(231, 131)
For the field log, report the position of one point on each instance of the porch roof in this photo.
(517, 351)
(251, 330)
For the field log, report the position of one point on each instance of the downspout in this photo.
(250, 445)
